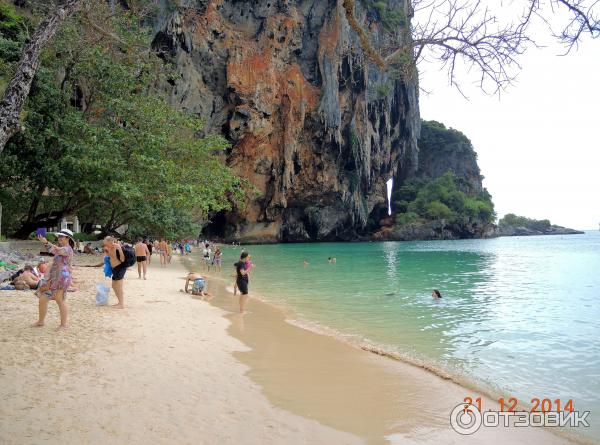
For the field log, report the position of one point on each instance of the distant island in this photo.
(514, 225)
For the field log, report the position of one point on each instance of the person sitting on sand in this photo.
(436, 294)
(88, 249)
(198, 286)
(141, 257)
(27, 279)
(117, 257)
(59, 277)
(40, 269)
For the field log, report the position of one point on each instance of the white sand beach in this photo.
(161, 371)
(171, 369)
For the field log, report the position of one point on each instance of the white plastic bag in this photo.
(102, 292)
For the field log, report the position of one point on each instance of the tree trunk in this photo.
(20, 84)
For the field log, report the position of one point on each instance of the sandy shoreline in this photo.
(374, 397)
(173, 369)
(160, 371)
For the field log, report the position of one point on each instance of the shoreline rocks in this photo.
(525, 231)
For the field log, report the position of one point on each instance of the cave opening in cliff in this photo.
(217, 226)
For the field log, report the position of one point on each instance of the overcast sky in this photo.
(539, 143)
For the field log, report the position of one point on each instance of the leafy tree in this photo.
(512, 220)
(103, 142)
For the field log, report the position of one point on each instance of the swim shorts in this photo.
(140, 259)
(242, 286)
(198, 286)
(119, 272)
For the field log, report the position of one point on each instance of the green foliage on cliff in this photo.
(512, 220)
(440, 140)
(13, 32)
(101, 141)
(392, 18)
(441, 199)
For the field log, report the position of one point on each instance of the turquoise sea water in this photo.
(519, 316)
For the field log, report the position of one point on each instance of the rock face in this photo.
(444, 149)
(527, 231)
(315, 127)
(435, 230)
(441, 150)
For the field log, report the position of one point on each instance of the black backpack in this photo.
(129, 254)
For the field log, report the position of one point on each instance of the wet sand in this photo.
(376, 398)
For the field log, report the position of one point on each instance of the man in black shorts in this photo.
(242, 281)
(141, 257)
(117, 257)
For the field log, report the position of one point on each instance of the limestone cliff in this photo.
(314, 126)
(469, 205)
(444, 149)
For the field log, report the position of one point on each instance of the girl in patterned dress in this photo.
(58, 278)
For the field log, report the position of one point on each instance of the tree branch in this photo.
(20, 84)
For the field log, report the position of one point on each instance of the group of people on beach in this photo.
(58, 278)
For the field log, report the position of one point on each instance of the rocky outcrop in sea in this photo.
(526, 231)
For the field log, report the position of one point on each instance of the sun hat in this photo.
(65, 232)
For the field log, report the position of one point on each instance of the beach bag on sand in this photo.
(102, 291)
(129, 254)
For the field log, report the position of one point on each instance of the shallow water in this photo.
(519, 316)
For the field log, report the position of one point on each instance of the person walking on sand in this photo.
(58, 278)
(117, 257)
(169, 251)
(242, 279)
(162, 251)
(141, 257)
(149, 246)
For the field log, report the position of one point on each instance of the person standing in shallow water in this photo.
(59, 277)
(242, 279)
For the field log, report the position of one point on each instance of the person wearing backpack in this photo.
(118, 261)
